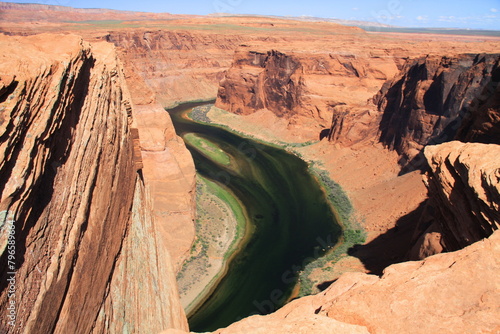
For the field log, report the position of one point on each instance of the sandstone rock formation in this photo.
(464, 203)
(454, 292)
(306, 88)
(69, 170)
(92, 257)
(169, 173)
(428, 100)
(177, 66)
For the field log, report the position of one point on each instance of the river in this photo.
(290, 219)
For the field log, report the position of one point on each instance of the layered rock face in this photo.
(464, 190)
(169, 173)
(428, 100)
(175, 66)
(69, 162)
(306, 88)
(261, 80)
(142, 296)
(454, 292)
(433, 99)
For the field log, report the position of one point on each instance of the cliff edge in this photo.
(77, 237)
(454, 292)
(464, 195)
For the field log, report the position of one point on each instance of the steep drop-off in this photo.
(464, 203)
(176, 66)
(451, 293)
(427, 102)
(463, 190)
(306, 88)
(69, 171)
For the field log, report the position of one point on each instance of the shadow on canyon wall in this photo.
(388, 248)
(391, 247)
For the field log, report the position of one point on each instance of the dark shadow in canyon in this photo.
(323, 286)
(391, 247)
(325, 133)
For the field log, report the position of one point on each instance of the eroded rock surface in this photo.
(69, 171)
(428, 100)
(308, 89)
(464, 191)
(454, 292)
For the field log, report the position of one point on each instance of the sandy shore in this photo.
(216, 238)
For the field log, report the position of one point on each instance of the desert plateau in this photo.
(235, 173)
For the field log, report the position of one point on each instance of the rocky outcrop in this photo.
(454, 292)
(142, 296)
(73, 203)
(427, 102)
(308, 89)
(464, 197)
(170, 174)
(261, 81)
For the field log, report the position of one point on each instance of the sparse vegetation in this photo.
(352, 232)
(208, 148)
(220, 227)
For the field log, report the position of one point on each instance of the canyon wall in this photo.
(73, 203)
(428, 101)
(453, 292)
(176, 66)
(464, 197)
(307, 88)
(420, 101)
(169, 172)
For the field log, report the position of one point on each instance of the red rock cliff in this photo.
(72, 195)
(427, 102)
(464, 197)
(176, 66)
(307, 88)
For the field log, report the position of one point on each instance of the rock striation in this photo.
(464, 197)
(170, 174)
(96, 210)
(73, 196)
(173, 66)
(435, 99)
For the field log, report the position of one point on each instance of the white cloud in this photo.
(493, 10)
(355, 8)
(422, 18)
(447, 19)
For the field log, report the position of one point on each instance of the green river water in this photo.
(291, 217)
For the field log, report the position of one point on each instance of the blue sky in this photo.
(479, 14)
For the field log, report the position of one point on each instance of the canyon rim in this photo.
(98, 192)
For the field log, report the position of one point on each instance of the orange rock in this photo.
(451, 293)
(464, 191)
(87, 247)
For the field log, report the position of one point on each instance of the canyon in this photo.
(101, 189)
